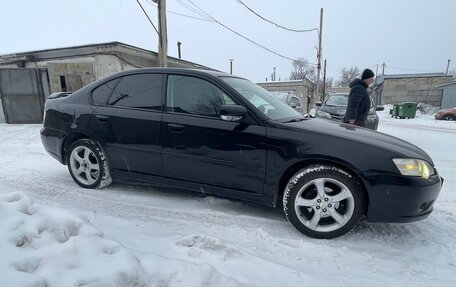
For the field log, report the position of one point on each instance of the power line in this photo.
(188, 16)
(269, 21)
(202, 14)
(239, 34)
(180, 14)
(148, 17)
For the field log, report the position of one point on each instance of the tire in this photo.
(88, 165)
(323, 201)
(449, 118)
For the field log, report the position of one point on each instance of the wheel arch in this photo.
(293, 169)
(69, 140)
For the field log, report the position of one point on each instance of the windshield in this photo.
(337, 100)
(279, 95)
(266, 103)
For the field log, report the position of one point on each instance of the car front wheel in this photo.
(323, 201)
(88, 165)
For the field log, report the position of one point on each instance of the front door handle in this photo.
(102, 119)
(175, 128)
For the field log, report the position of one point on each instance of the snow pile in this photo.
(43, 246)
(173, 238)
(427, 109)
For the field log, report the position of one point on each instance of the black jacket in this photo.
(358, 102)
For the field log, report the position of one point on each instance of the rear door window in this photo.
(141, 91)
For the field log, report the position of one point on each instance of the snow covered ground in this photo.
(54, 233)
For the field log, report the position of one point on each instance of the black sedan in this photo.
(219, 134)
(335, 106)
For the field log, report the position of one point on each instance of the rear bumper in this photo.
(52, 141)
(402, 199)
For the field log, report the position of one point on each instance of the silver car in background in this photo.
(289, 98)
(335, 106)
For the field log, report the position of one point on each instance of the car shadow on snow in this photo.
(199, 200)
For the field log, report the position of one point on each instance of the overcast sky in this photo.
(410, 36)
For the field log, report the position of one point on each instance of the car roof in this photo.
(176, 70)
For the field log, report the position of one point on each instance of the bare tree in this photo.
(302, 69)
(329, 83)
(347, 75)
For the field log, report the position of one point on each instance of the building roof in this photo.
(447, 84)
(381, 78)
(288, 82)
(110, 48)
(418, 75)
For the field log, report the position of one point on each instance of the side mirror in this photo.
(380, 108)
(232, 113)
(318, 104)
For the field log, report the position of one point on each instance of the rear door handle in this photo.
(102, 119)
(175, 128)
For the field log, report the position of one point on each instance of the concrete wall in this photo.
(76, 75)
(106, 65)
(422, 90)
(303, 89)
(449, 97)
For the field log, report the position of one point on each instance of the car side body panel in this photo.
(247, 160)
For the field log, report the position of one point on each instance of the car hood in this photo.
(447, 110)
(362, 135)
(339, 110)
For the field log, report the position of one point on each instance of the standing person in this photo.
(358, 99)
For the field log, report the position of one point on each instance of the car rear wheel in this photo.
(323, 201)
(449, 118)
(88, 165)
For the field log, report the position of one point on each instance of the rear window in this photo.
(140, 91)
(101, 94)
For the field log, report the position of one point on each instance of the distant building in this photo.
(449, 95)
(27, 78)
(303, 89)
(337, 90)
(424, 88)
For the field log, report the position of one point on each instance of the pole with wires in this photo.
(163, 36)
(324, 82)
(320, 32)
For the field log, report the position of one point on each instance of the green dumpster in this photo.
(406, 110)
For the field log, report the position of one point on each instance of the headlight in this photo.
(371, 118)
(414, 167)
(324, 114)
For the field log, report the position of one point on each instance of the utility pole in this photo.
(448, 66)
(320, 34)
(324, 83)
(179, 49)
(231, 66)
(163, 36)
(274, 75)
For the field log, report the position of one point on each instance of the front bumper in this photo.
(394, 198)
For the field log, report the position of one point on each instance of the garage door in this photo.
(22, 94)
